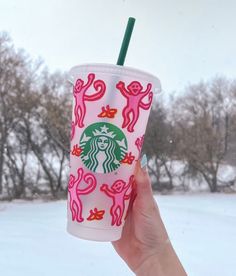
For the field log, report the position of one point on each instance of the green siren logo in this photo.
(103, 147)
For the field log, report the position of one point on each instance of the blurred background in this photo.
(190, 140)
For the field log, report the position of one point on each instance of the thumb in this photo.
(143, 184)
(144, 200)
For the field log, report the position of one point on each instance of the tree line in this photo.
(35, 111)
(196, 129)
(196, 132)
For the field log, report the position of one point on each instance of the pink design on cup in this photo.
(134, 95)
(118, 193)
(139, 143)
(76, 150)
(107, 112)
(128, 158)
(75, 192)
(132, 199)
(96, 214)
(72, 133)
(79, 91)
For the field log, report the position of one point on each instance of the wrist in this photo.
(170, 263)
(163, 263)
(150, 267)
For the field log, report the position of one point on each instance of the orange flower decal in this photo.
(128, 159)
(107, 112)
(76, 150)
(96, 215)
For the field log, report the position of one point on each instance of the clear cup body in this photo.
(111, 106)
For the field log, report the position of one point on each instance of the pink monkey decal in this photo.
(72, 133)
(75, 192)
(134, 95)
(139, 143)
(131, 201)
(80, 97)
(118, 193)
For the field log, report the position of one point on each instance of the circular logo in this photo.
(103, 147)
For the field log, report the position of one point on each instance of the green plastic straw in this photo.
(126, 40)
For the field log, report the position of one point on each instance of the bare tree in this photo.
(13, 77)
(231, 145)
(47, 131)
(202, 126)
(35, 112)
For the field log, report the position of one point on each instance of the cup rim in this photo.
(113, 69)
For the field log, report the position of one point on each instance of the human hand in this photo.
(144, 244)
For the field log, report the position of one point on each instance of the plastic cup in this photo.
(111, 106)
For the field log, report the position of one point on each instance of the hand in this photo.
(144, 244)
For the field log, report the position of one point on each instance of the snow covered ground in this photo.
(34, 242)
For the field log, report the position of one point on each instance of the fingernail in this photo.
(144, 163)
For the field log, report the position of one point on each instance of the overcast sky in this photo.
(180, 41)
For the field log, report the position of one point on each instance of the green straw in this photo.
(125, 42)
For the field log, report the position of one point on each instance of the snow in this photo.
(33, 239)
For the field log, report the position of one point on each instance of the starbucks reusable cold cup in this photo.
(111, 106)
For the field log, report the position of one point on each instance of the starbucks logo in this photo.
(103, 147)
